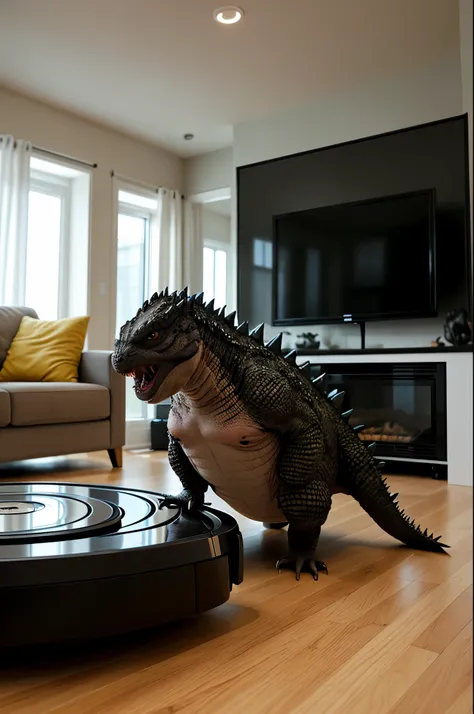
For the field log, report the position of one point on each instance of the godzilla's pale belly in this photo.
(236, 458)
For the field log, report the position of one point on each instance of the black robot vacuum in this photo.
(82, 562)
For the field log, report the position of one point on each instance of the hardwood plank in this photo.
(442, 683)
(463, 704)
(388, 610)
(366, 597)
(448, 625)
(391, 686)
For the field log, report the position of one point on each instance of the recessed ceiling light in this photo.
(188, 137)
(228, 15)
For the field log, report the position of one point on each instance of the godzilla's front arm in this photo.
(194, 486)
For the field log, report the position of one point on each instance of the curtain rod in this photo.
(57, 155)
(141, 184)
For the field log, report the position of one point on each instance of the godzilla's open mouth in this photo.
(147, 379)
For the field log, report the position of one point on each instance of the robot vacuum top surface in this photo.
(53, 532)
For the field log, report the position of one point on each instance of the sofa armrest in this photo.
(96, 368)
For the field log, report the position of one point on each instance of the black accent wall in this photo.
(433, 155)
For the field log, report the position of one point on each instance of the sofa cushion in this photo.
(56, 402)
(5, 412)
(45, 350)
(10, 319)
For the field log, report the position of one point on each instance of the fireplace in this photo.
(399, 406)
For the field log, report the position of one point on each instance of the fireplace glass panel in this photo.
(402, 407)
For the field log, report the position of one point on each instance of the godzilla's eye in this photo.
(153, 335)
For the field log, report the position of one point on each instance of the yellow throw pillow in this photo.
(45, 351)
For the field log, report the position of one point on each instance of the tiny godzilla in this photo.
(250, 423)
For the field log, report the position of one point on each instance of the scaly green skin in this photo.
(319, 453)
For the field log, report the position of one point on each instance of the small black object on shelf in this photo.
(458, 328)
(309, 341)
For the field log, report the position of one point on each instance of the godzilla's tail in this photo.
(374, 497)
(361, 476)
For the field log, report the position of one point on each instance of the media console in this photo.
(416, 404)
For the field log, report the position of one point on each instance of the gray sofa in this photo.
(40, 419)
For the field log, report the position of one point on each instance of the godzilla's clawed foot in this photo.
(183, 500)
(299, 564)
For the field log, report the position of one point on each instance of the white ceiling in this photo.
(161, 68)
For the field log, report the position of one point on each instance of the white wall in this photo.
(425, 94)
(214, 226)
(56, 130)
(209, 171)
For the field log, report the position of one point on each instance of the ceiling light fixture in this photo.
(228, 15)
(188, 137)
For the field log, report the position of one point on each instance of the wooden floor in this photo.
(388, 630)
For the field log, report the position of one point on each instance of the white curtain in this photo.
(192, 247)
(177, 247)
(14, 190)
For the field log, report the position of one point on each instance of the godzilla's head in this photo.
(157, 347)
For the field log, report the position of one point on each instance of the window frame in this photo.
(226, 248)
(59, 187)
(129, 209)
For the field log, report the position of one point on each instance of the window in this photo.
(44, 248)
(57, 240)
(133, 248)
(215, 275)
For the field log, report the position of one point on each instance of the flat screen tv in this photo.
(355, 262)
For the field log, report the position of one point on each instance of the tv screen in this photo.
(353, 262)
